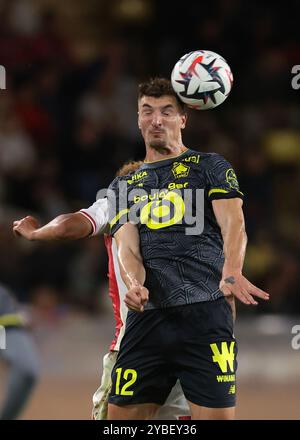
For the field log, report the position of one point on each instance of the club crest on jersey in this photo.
(231, 179)
(180, 170)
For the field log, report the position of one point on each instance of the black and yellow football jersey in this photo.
(181, 242)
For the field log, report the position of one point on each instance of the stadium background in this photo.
(67, 122)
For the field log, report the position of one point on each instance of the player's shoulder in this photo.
(117, 181)
(211, 161)
(122, 183)
(99, 203)
(204, 159)
(128, 179)
(212, 157)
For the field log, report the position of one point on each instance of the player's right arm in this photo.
(86, 222)
(64, 227)
(131, 266)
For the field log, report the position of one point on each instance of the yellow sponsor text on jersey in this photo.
(137, 177)
(154, 196)
(225, 357)
(194, 158)
(173, 185)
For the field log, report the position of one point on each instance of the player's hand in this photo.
(136, 297)
(25, 227)
(237, 285)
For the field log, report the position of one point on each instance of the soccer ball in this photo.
(202, 79)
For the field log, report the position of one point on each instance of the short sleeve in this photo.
(97, 214)
(222, 182)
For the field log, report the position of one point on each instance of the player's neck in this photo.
(156, 154)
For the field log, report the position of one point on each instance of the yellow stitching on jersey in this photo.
(167, 158)
(216, 190)
(118, 216)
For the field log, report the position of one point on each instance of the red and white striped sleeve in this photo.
(97, 214)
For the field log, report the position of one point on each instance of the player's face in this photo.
(160, 121)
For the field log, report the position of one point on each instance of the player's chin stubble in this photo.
(159, 145)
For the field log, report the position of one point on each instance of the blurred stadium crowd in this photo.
(68, 122)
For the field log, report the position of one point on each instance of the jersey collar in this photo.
(164, 162)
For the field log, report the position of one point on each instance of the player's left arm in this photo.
(230, 217)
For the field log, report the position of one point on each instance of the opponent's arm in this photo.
(131, 266)
(64, 227)
(229, 215)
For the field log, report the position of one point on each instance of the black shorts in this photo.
(192, 343)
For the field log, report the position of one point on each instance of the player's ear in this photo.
(183, 118)
(139, 125)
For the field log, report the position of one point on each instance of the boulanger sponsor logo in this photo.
(166, 212)
(296, 339)
(2, 78)
(296, 77)
(160, 208)
(2, 338)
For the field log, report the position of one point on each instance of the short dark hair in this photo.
(158, 87)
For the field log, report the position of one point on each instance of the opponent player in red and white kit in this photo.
(90, 222)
